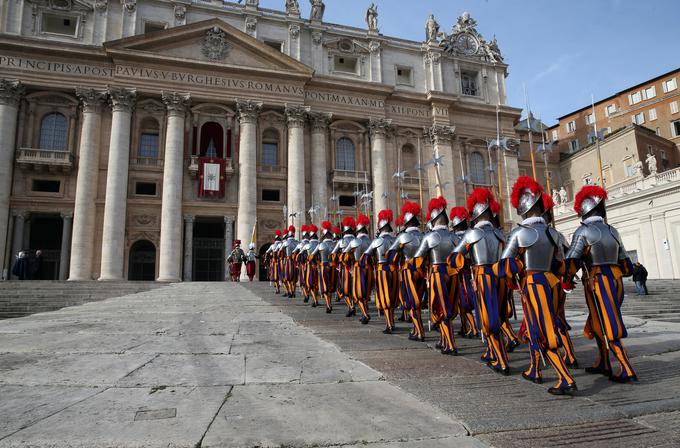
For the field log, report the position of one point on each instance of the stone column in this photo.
(441, 137)
(228, 240)
(173, 175)
(64, 253)
(248, 111)
(319, 164)
(18, 236)
(379, 129)
(82, 240)
(10, 97)
(113, 235)
(188, 247)
(295, 118)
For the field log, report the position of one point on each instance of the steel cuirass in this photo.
(540, 245)
(380, 246)
(289, 246)
(324, 249)
(437, 246)
(485, 242)
(409, 243)
(358, 246)
(310, 247)
(342, 244)
(604, 242)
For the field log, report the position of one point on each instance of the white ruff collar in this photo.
(533, 220)
(593, 219)
(440, 227)
(482, 224)
(411, 229)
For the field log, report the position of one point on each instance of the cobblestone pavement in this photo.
(201, 365)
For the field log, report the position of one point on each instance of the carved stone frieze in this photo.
(380, 127)
(440, 134)
(215, 46)
(319, 121)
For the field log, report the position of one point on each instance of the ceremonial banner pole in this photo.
(531, 138)
(597, 141)
(420, 178)
(499, 150)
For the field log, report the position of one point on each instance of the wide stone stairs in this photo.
(21, 298)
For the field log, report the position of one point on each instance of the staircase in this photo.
(22, 298)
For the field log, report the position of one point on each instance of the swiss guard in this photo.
(299, 261)
(466, 301)
(411, 280)
(484, 244)
(344, 272)
(311, 273)
(321, 255)
(273, 263)
(362, 269)
(434, 251)
(236, 259)
(387, 285)
(597, 249)
(251, 261)
(286, 255)
(530, 262)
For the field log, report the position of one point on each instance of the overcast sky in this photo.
(563, 50)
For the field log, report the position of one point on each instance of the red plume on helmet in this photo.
(399, 221)
(495, 207)
(548, 202)
(312, 228)
(410, 207)
(435, 204)
(304, 228)
(363, 220)
(336, 230)
(277, 233)
(588, 191)
(385, 215)
(479, 195)
(349, 222)
(326, 225)
(524, 183)
(291, 229)
(459, 212)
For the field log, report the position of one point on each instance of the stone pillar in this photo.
(82, 240)
(113, 235)
(228, 240)
(173, 175)
(18, 236)
(10, 97)
(319, 163)
(441, 137)
(379, 129)
(64, 252)
(248, 111)
(188, 247)
(295, 118)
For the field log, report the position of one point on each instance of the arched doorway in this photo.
(142, 265)
(262, 272)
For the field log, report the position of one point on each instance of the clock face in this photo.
(466, 44)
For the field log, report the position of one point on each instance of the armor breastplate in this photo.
(539, 248)
(309, 249)
(344, 242)
(604, 246)
(486, 250)
(412, 242)
(290, 246)
(324, 250)
(251, 256)
(437, 245)
(359, 246)
(380, 246)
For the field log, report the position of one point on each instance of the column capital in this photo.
(189, 219)
(176, 103)
(11, 92)
(92, 99)
(440, 134)
(380, 127)
(248, 111)
(296, 116)
(122, 99)
(320, 121)
(20, 213)
(228, 219)
(67, 214)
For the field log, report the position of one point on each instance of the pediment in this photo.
(214, 43)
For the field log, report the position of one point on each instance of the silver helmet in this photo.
(478, 210)
(588, 199)
(589, 204)
(527, 201)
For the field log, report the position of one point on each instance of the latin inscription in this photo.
(408, 111)
(349, 100)
(66, 68)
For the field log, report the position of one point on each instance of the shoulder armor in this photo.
(592, 233)
(406, 238)
(433, 239)
(355, 243)
(615, 234)
(527, 236)
(499, 234)
(377, 243)
(473, 235)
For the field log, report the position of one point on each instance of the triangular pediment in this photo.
(212, 43)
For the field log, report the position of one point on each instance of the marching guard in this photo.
(286, 255)
(344, 272)
(465, 297)
(529, 262)
(321, 254)
(362, 269)
(411, 281)
(597, 250)
(299, 261)
(272, 262)
(435, 248)
(311, 276)
(236, 259)
(386, 275)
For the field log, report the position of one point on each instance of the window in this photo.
(555, 135)
(658, 131)
(652, 114)
(345, 64)
(53, 130)
(610, 110)
(46, 186)
(590, 119)
(150, 27)
(674, 107)
(469, 83)
(404, 75)
(649, 93)
(149, 140)
(675, 128)
(271, 195)
(670, 85)
(347, 201)
(634, 98)
(573, 145)
(145, 188)
(409, 158)
(270, 147)
(477, 174)
(276, 45)
(59, 24)
(571, 126)
(639, 118)
(344, 155)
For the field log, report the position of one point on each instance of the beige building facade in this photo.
(139, 139)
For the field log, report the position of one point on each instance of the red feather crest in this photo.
(312, 228)
(480, 196)
(435, 203)
(459, 212)
(336, 230)
(399, 221)
(291, 229)
(326, 225)
(304, 228)
(410, 207)
(523, 183)
(277, 233)
(548, 202)
(586, 192)
(363, 220)
(385, 215)
(349, 222)
(495, 207)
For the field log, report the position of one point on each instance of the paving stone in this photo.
(188, 370)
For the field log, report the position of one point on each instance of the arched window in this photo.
(270, 147)
(212, 140)
(53, 132)
(345, 155)
(477, 174)
(149, 140)
(409, 158)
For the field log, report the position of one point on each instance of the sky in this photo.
(563, 51)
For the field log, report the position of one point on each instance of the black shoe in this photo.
(512, 346)
(449, 352)
(354, 311)
(598, 371)
(329, 310)
(413, 337)
(504, 372)
(387, 330)
(567, 390)
(349, 313)
(314, 305)
(623, 379)
(439, 345)
(535, 380)
(306, 300)
(364, 320)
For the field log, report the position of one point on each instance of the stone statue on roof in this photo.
(431, 29)
(318, 9)
(492, 52)
(372, 17)
(292, 8)
(651, 164)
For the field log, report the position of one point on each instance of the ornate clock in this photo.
(466, 44)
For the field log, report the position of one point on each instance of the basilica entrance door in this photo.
(142, 263)
(45, 235)
(208, 253)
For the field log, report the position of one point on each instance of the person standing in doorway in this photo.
(640, 278)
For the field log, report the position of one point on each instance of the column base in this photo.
(169, 280)
(110, 279)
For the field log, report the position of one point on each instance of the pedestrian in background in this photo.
(22, 266)
(640, 279)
